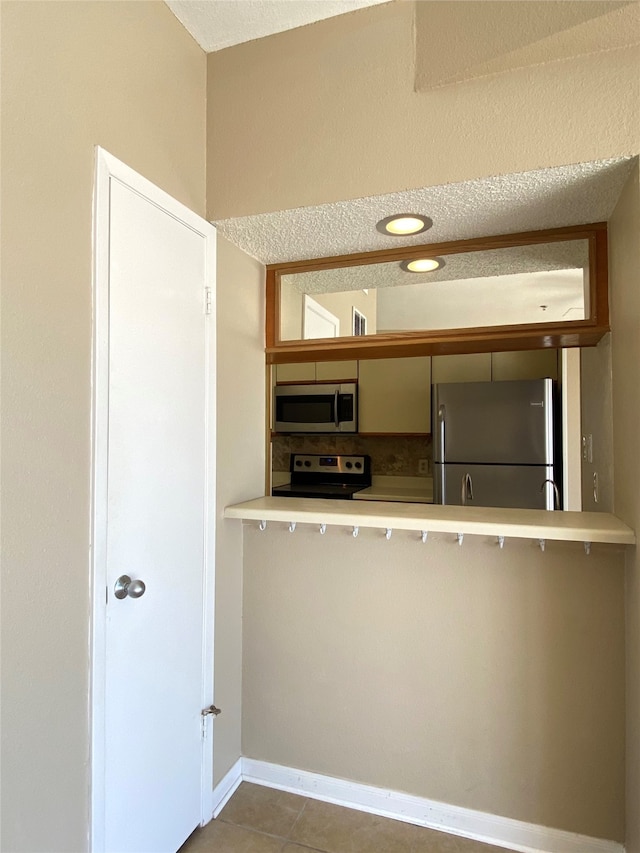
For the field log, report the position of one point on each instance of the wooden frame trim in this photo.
(447, 341)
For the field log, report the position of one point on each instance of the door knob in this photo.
(126, 587)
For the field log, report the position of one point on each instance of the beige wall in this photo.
(624, 248)
(330, 112)
(342, 304)
(487, 678)
(128, 77)
(240, 476)
(290, 314)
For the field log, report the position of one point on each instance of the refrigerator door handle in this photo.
(466, 489)
(441, 426)
(552, 501)
(441, 483)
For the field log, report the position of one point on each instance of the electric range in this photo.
(325, 476)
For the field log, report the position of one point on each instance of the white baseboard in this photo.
(480, 826)
(225, 788)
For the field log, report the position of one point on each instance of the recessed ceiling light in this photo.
(422, 265)
(404, 224)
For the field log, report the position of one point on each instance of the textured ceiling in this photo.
(528, 201)
(216, 24)
(520, 260)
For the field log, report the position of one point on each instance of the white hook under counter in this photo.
(292, 526)
(501, 542)
(460, 538)
(424, 535)
(263, 525)
(388, 533)
(323, 529)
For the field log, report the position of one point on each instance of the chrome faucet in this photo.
(556, 493)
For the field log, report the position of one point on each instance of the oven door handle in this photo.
(335, 409)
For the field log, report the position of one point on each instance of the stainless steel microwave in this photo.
(316, 408)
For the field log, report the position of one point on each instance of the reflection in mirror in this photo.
(539, 283)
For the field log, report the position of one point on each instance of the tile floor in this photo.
(263, 820)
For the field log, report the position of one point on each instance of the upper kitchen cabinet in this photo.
(495, 367)
(472, 367)
(395, 396)
(339, 371)
(304, 372)
(534, 291)
(526, 364)
(322, 371)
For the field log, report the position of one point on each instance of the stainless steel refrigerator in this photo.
(495, 444)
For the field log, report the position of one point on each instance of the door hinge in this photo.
(211, 711)
(208, 297)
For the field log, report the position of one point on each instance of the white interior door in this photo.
(317, 321)
(154, 513)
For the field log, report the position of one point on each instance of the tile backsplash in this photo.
(390, 455)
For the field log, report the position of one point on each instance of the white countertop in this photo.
(404, 489)
(520, 523)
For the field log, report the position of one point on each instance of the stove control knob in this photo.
(298, 463)
(349, 465)
(307, 464)
(358, 464)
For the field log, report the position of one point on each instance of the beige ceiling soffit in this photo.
(617, 31)
(495, 36)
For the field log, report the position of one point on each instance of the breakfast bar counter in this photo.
(537, 524)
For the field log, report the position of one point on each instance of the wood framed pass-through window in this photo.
(537, 290)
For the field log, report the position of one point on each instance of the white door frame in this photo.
(108, 168)
(571, 402)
